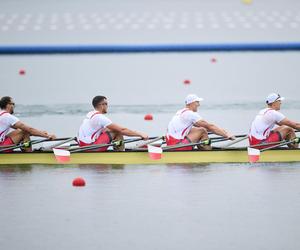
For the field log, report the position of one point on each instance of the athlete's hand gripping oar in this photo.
(254, 153)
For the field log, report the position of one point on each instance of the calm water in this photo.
(212, 206)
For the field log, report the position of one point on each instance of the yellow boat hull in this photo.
(215, 156)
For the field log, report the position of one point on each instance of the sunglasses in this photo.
(278, 97)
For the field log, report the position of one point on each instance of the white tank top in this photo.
(92, 126)
(182, 123)
(264, 122)
(6, 122)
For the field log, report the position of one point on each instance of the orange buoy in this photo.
(148, 117)
(22, 72)
(78, 182)
(187, 82)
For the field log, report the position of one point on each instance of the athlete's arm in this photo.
(287, 122)
(214, 129)
(125, 131)
(32, 131)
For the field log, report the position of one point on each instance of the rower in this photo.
(187, 126)
(96, 128)
(262, 128)
(21, 132)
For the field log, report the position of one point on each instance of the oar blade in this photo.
(253, 155)
(62, 155)
(155, 153)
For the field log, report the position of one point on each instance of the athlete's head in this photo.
(6, 103)
(100, 103)
(192, 102)
(274, 101)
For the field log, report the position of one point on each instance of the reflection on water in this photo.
(22, 168)
(207, 206)
(100, 168)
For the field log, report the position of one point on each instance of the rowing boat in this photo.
(138, 157)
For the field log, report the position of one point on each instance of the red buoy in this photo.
(213, 60)
(148, 117)
(78, 182)
(187, 82)
(22, 72)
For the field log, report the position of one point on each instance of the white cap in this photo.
(273, 98)
(192, 98)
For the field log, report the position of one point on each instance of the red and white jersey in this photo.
(182, 123)
(6, 122)
(264, 122)
(92, 126)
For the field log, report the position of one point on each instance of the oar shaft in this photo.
(183, 145)
(149, 142)
(204, 142)
(97, 146)
(222, 137)
(235, 141)
(60, 143)
(278, 145)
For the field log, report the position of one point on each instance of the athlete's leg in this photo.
(287, 133)
(199, 134)
(117, 137)
(18, 136)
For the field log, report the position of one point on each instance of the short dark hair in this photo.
(97, 99)
(4, 101)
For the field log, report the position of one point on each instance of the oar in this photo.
(95, 146)
(155, 153)
(235, 141)
(115, 143)
(254, 153)
(222, 137)
(181, 145)
(29, 143)
(204, 142)
(63, 155)
(145, 143)
(23, 144)
(66, 140)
